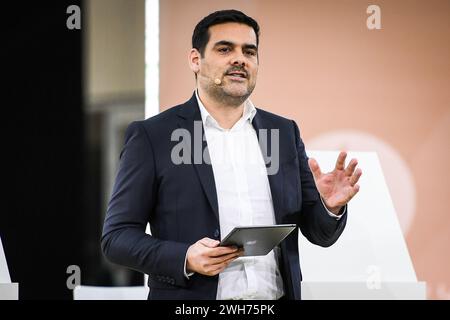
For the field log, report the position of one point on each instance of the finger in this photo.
(217, 271)
(355, 177)
(351, 167)
(341, 160)
(223, 258)
(315, 169)
(220, 251)
(218, 268)
(210, 243)
(354, 190)
(212, 271)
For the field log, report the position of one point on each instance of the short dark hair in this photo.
(201, 35)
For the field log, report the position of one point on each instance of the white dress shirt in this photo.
(244, 199)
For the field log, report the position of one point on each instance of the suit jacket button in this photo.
(216, 233)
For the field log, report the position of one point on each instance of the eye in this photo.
(251, 52)
(224, 49)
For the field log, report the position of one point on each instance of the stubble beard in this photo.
(220, 94)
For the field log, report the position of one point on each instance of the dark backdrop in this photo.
(42, 124)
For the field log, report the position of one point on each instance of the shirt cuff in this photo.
(186, 274)
(331, 214)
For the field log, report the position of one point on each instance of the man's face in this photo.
(231, 55)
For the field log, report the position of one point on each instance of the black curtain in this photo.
(42, 123)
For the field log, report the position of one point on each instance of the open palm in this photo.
(338, 186)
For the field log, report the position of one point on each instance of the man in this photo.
(191, 205)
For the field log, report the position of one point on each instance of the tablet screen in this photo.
(257, 240)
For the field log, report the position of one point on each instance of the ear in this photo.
(194, 60)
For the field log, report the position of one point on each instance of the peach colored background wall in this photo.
(349, 87)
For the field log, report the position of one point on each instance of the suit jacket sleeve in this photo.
(314, 221)
(134, 195)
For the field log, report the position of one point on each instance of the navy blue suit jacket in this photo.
(180, 203)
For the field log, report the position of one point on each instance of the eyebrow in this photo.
(231, 44)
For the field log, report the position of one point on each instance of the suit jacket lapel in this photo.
(189, 114)
(275, 180)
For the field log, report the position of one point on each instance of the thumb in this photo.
(315, 169)
(210, 243)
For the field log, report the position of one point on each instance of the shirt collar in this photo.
(207, 118)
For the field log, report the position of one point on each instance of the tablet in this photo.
(257, 240)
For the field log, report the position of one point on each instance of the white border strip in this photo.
(151, 66)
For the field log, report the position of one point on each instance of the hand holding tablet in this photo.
(257, 240)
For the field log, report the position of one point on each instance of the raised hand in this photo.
(338, 186)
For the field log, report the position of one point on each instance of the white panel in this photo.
(360, 291)
(110, 293)
(9, 291)
(151, 66)
(372, 245)
(4, 273)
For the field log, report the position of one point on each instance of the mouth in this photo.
(237, 75)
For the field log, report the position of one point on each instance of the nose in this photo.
(239, 60)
